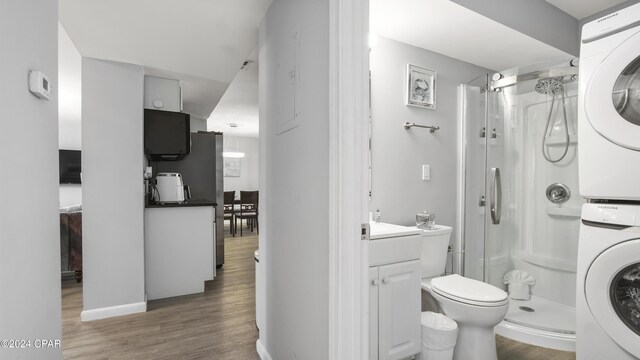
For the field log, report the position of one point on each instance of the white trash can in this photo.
(439, 335)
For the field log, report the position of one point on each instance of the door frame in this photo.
(348, 176)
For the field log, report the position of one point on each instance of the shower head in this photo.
(548, 86)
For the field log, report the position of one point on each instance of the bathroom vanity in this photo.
(394, 292)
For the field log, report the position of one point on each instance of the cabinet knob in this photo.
(375, 282)
(385, 280)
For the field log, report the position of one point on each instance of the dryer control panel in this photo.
(615, 214)
(611, 23)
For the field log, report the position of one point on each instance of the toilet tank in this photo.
(435, 244)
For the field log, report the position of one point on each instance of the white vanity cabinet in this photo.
(394, 294)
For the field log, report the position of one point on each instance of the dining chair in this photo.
(248, 211)
(229, 213)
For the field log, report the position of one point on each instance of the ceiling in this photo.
(203, 38)
(204, 42)
(201, 42)
(496, 47)
(239, 105)
(580, 9)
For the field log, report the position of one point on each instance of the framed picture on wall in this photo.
(421, 87)
(232, 167)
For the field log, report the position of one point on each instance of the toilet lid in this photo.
(468, 290)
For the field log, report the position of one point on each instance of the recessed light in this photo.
(233, 125)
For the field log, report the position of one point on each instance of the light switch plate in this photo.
(426, 172)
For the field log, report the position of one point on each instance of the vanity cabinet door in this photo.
(399, 331)
(374, 286)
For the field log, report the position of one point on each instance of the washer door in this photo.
(612, 289)
(612, 97)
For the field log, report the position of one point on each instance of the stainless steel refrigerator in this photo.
(202, 171)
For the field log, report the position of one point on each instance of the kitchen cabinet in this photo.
(374, 294)
(162, 94)
(179, 251)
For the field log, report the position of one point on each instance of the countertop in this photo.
(188, 203)
(383, 230)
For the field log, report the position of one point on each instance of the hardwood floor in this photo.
(219, 324)
(513, 350)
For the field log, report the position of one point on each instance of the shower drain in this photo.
(526, 308)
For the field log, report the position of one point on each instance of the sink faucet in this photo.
(376, 216)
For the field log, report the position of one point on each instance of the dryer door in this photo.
(612, 289)
(612, 97)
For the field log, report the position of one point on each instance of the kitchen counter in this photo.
(188, 203)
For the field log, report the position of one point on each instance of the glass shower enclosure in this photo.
(519, 194)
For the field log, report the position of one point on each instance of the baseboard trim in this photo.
(262, 351)
(113, 311)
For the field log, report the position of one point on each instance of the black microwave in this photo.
(167, 135)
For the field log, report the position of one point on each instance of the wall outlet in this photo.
(148, 173)
(426, 172)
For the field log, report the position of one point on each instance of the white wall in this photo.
(112, 191)
(29, 224)
(249, 164)
(69, 92)
(294, 185)
(398, 154)
(70, 108)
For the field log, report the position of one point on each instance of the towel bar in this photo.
(432, 129)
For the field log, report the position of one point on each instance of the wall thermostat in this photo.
(40, 85)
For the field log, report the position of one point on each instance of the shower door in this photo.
(498, 182)
(473, 127)
(509, 223)
(486, 183)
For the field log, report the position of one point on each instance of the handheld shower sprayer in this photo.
(552, 86)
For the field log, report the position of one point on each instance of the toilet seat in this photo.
(469, 291)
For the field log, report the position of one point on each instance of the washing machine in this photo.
(609, 107)
(608, 282)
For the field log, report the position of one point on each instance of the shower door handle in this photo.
(495, 203)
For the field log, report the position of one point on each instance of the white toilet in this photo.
(476, 306)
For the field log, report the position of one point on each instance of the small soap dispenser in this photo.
(376, 216)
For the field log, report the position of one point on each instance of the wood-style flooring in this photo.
(219, 324)
(513, 350)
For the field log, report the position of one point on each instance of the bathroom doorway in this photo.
(519, 170)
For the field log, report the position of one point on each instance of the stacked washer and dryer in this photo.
(608, 290)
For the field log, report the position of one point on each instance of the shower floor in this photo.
(547, 315)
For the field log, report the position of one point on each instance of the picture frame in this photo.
(231, 167)
(421, 87)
